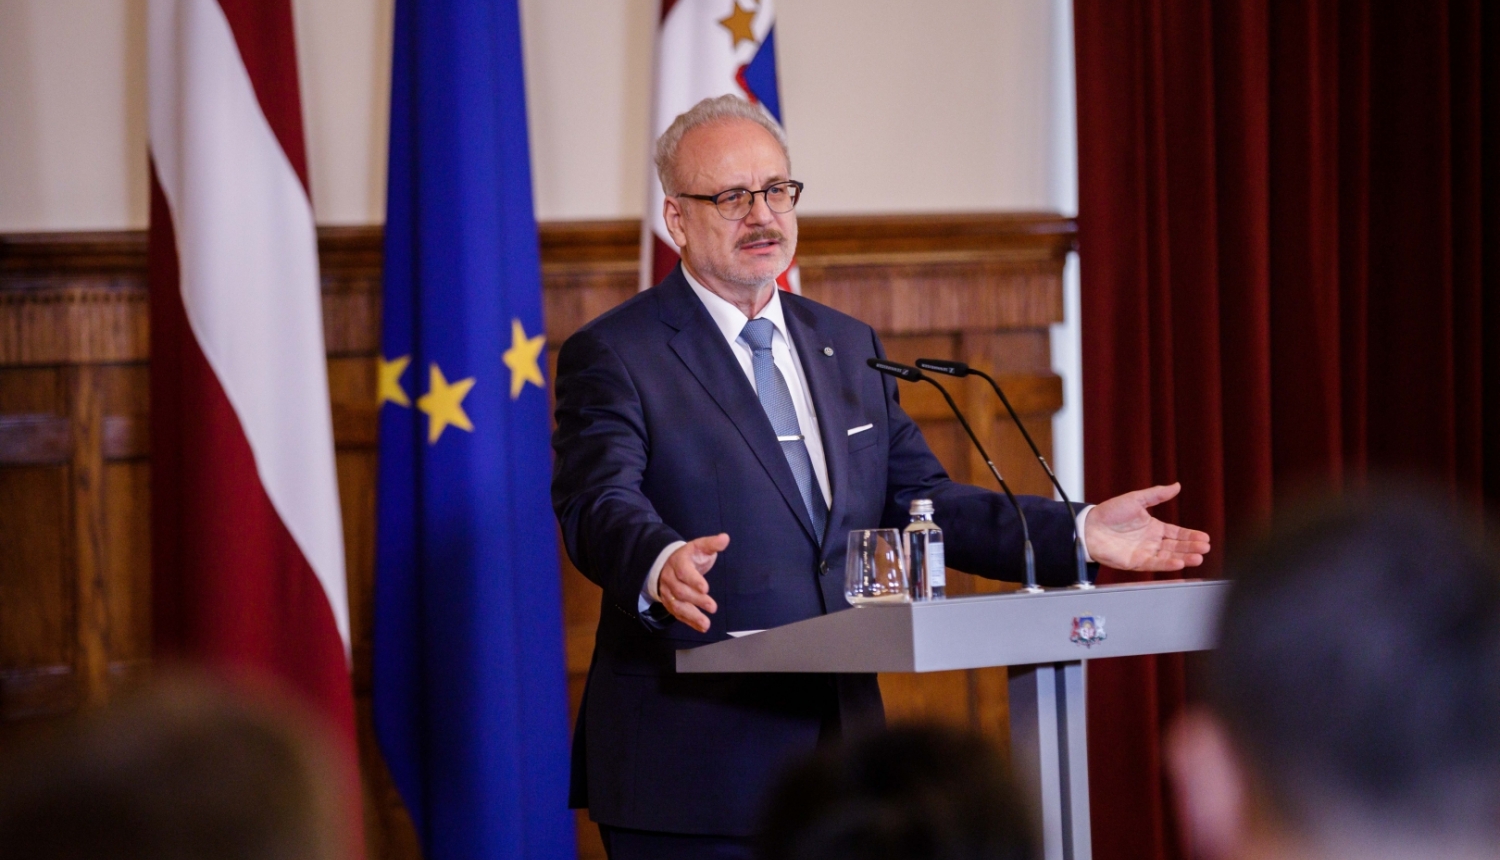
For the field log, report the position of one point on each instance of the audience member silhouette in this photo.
(904, 794)
(180, 770)
(1353, 703)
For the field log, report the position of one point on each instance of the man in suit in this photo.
(713, 429)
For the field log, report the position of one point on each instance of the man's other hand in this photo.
(1122, 534)
(682, 587)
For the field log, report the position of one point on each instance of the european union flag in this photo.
(470, 693)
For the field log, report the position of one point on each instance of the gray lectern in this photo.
(1044, 639)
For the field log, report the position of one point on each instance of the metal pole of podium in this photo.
(1049, 754)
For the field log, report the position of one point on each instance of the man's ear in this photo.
(1211, 785)
(671, 211)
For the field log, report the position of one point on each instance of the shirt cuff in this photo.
(649, 594)
(1083, 515)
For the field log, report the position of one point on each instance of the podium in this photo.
(1044, 639)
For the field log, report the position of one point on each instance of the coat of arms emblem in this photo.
(1088, 630)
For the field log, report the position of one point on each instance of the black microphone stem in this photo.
(1083, 566)
(1020, 514)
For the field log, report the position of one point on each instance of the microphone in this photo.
(911, 374)
(959, 369)
(900, 371)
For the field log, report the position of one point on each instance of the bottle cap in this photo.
(921, 506)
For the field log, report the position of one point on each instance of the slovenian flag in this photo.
(706, 48)
(470, 699)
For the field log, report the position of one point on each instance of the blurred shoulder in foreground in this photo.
(1353, 704)
(904, 794)
(180, 770)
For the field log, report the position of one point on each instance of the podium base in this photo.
(1049, 754)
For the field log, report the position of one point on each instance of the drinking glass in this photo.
(875, 568)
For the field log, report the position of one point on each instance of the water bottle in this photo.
(924, 551)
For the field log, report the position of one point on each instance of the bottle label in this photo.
(937, 576)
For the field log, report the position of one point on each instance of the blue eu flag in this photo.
(470, 698)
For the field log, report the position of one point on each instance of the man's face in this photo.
(725, 254)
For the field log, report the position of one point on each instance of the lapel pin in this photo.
(828, 350)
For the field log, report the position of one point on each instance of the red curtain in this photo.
(1284, 208)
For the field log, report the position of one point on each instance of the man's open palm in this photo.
(1121, 533)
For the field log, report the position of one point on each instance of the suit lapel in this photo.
(701, 347)
(826, 387)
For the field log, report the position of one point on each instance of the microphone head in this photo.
(941, 365)
(891, 368)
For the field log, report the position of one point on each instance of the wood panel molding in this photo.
(74, 298)
(35, 440)
(50, 690)
(38, 440)
(833, 239)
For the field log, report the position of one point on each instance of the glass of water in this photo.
(875, 568)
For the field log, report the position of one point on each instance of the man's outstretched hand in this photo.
(1122, 534)
(682, 586)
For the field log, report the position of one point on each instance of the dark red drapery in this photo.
(1284, 208)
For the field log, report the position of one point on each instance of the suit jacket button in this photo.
(823, 567)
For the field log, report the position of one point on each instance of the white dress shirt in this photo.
(731, 321)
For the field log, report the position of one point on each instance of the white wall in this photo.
(73, 114)
(344, 58)
(891, 106)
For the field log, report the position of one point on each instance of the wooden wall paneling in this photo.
(127, 566)
(72, 332)
(36, 672)
(125, 493)
(72, 297)
(1023, 351)
(32, 392)
(36, 601)
(91, 613)
(74, 473)
(927, 698)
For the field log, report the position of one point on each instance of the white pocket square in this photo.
(860, 429)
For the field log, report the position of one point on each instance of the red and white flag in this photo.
(247, 540)
(706, 48)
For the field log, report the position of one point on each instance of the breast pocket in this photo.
(861, 436)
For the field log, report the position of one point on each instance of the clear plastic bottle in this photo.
(924, 552)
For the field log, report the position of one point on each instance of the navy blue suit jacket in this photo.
(660, 437)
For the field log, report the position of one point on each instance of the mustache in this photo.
(761, 236)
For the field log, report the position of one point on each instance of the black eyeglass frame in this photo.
(764, 192)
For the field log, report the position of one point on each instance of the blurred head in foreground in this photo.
(905, 794)
(178, 771)
(1354, 699)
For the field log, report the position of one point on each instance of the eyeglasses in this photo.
(736, 203)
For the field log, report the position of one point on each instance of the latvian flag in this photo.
(706, 48)
(247, 540)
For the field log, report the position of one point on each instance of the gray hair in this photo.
(713, 111)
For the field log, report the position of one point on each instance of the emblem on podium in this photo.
(1088, 630)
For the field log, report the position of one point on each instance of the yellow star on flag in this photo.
(390, 381)
(443, 404)
(738, 24)
(521, 358)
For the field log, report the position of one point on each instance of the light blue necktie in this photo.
(776, 399)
